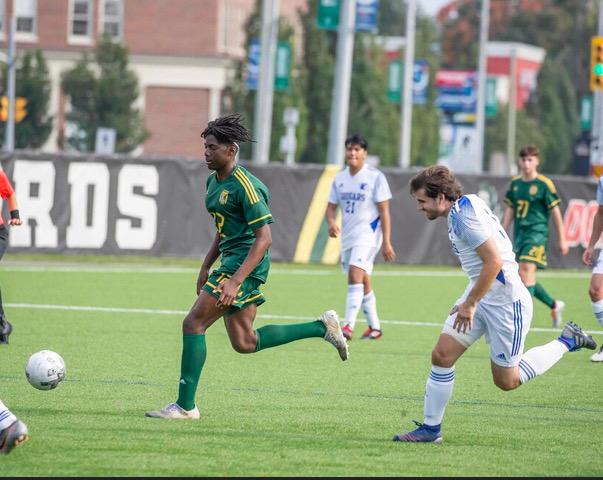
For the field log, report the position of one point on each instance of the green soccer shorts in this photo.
(532, 253)
(249, 291)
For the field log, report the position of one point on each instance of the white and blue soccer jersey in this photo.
(600, 190)
(471, 223)
(357, 197)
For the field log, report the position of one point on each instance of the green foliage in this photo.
(370, 113)
(556, 115)
(318, 71)
(105, 99)
(32, 82)
(243, 99)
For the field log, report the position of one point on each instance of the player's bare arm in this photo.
(492, 263)
(230, 287)
(558, 222)
(594, 237)
(208, 261)
(330, 217)
(507, 217)
(388, 251)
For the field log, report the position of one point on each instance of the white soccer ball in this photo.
(45, 370)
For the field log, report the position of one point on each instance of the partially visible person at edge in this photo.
(531, 199)
(595, 289)
(363, 195)
(7, 193)
(496, 304)
(238, 203)
(13, 432)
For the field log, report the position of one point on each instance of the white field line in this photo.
(268, 317)
(273, 271)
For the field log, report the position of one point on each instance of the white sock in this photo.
(6, 416)
(598, 309)
(437, 393)
(538, 360)
(353, 303)
(369, 307)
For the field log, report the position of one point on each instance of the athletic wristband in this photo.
(14, 214)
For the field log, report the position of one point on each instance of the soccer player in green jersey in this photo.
(531, 200)
(238, 203)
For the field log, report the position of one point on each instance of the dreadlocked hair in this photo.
(228, 129)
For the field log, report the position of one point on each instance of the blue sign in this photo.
(366, 15)
(462, 98)
(253, 64)
(420, 81)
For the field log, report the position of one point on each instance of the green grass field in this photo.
(295, 410)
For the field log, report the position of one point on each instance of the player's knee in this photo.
(440, 358)
(595, 293)
(243, 346)
(507, 384)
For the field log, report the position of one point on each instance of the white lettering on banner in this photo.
(133, 205)
(34, 185)
(84, 232)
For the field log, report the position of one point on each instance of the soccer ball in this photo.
(45, 370)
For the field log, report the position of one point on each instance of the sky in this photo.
(431, 7)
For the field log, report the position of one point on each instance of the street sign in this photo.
(586, 113)
(491, 100)
(366, 15)
(281, 71)
(105, 141)
(253, 64)
(328, 14)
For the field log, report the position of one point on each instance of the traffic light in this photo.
(20, 110)
(596, 64)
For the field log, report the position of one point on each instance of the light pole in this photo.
(9, 132)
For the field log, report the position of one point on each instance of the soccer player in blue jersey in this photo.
(496, 304)
(238, 203)
(595, 289)
(362, 194)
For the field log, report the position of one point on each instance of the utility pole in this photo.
(409, 67)
(262, 123)
(512, 125)
(341, 84)
(480, 114)
(9, 132)
(596, 148)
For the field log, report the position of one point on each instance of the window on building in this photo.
(112, 18)
(232, 27)
(81, 21)
(25, 14)
(3, 26)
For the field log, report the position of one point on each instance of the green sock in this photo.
(530, 289)
(194, 352)
(274, 335)
(541, 294)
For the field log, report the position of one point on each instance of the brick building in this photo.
(181, 50)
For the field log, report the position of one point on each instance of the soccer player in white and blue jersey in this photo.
(495, 305)
(363, 194)
(595, 289)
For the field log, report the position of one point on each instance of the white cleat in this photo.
(557, 313)
(597, 357)
(334, 334)
(173, 410)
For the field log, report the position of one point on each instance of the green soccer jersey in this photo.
(532, 202)
(239, 205)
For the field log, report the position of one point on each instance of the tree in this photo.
(104, 100)
(243, 99)
(32, 82)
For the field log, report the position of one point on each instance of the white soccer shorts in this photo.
(505, 328)
(361, 256)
